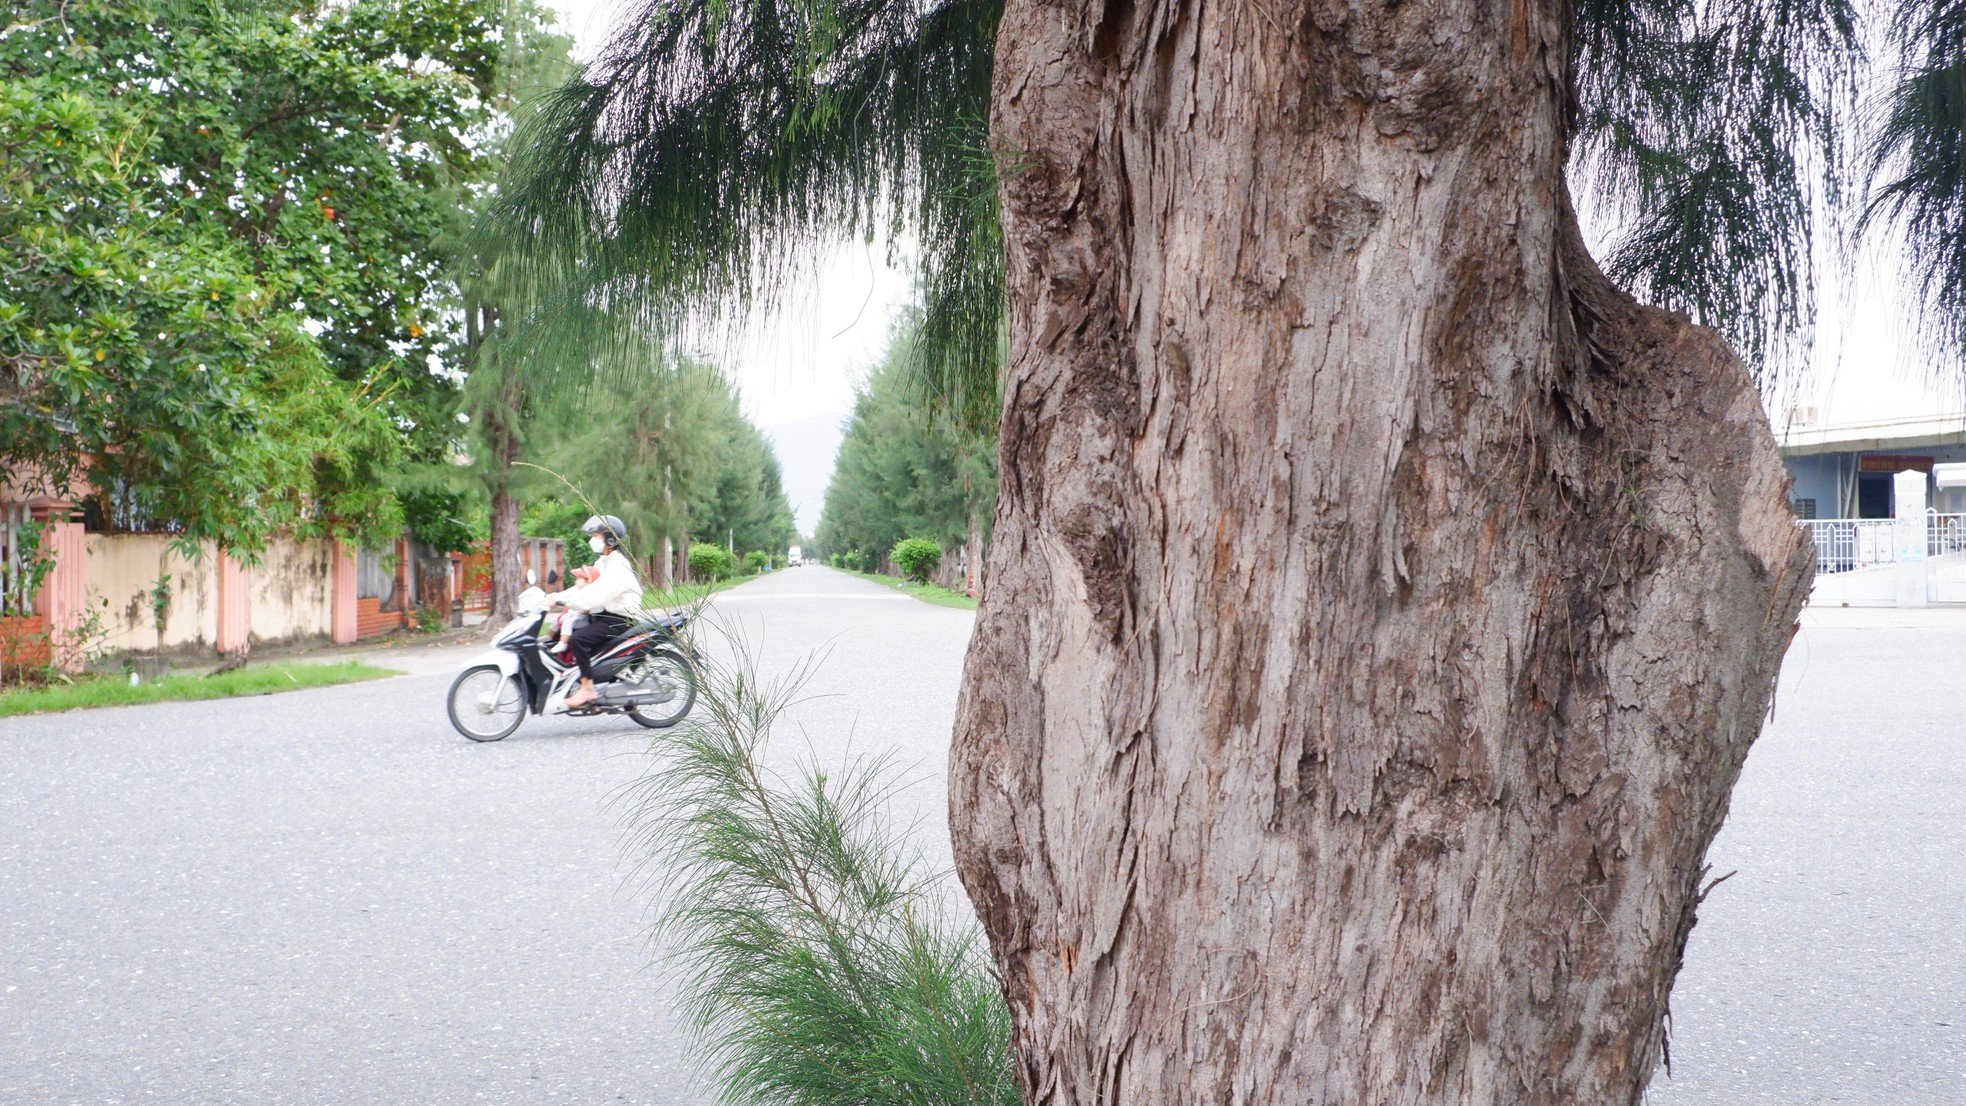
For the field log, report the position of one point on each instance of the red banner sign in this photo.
(1886, 462)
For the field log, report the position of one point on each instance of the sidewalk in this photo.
(1884, 618)
(412, 654)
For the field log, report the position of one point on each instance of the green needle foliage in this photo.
(693, 167)
(819, 964)
(1919, 164)
(1709, 133)
(712, 150)
(670, 450)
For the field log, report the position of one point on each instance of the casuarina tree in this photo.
(1382, 599)
(1385, 600)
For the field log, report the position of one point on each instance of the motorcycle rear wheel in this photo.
(478, 717)
(674, 669)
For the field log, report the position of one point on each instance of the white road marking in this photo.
(772, 595)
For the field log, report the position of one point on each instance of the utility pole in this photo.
(668, 548)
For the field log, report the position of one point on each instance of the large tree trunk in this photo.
(506, 584)
(504, 523)
(1381, 603)
(499, 424)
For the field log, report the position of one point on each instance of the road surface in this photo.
(329, 897)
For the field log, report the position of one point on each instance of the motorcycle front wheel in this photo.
(485, 704)
(672, 670)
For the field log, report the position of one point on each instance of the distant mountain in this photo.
(806, 448)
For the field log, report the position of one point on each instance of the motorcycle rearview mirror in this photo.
(532, 577)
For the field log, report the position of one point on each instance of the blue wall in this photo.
(1815, 475)
(1815, 478)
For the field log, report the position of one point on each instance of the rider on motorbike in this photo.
(611, 601)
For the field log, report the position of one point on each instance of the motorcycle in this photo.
(648, 674)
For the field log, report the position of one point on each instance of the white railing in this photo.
(1947, 534)
(1848, 544)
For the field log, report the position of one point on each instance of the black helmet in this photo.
(611, 529)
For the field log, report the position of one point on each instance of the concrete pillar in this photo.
(235, 619)
(405, 593)
(342, 596)
(63, 595)
(1908, 508)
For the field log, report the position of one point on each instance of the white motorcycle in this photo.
(648, 674)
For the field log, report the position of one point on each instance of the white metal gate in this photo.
(1859, 557)
(1945, 553)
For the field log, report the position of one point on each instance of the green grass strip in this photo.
(927, 593)
(688, 595)
(115, 690)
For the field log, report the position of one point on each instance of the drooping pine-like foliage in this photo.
(714, 149)
(693, 168)
(1709, 135)
(818, 963)
(1919, 164)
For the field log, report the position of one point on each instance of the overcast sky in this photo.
(806, 358)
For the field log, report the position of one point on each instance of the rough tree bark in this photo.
(1381, 602)
(504, 543)
(500, 425)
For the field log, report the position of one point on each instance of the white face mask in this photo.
(597, 544)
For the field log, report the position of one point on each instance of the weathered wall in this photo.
(23, 641)
(290, 592)
(292, 589)
(124, 568)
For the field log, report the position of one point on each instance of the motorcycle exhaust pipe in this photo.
(635, 695)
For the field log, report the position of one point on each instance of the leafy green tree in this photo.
(439, 518)
(149, 358)
(746, 506)
(522, 349)
(224, 295)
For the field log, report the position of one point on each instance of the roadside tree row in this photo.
(907, 471)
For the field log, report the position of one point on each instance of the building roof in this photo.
(1802, 439)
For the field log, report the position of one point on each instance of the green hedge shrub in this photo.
(756, 561)
(917, 558)
(711, 562)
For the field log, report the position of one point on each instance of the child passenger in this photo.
(586, 574)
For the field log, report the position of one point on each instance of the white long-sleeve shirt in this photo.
(616, 590)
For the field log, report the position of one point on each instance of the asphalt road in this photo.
(1831, 967)
(329, 897)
